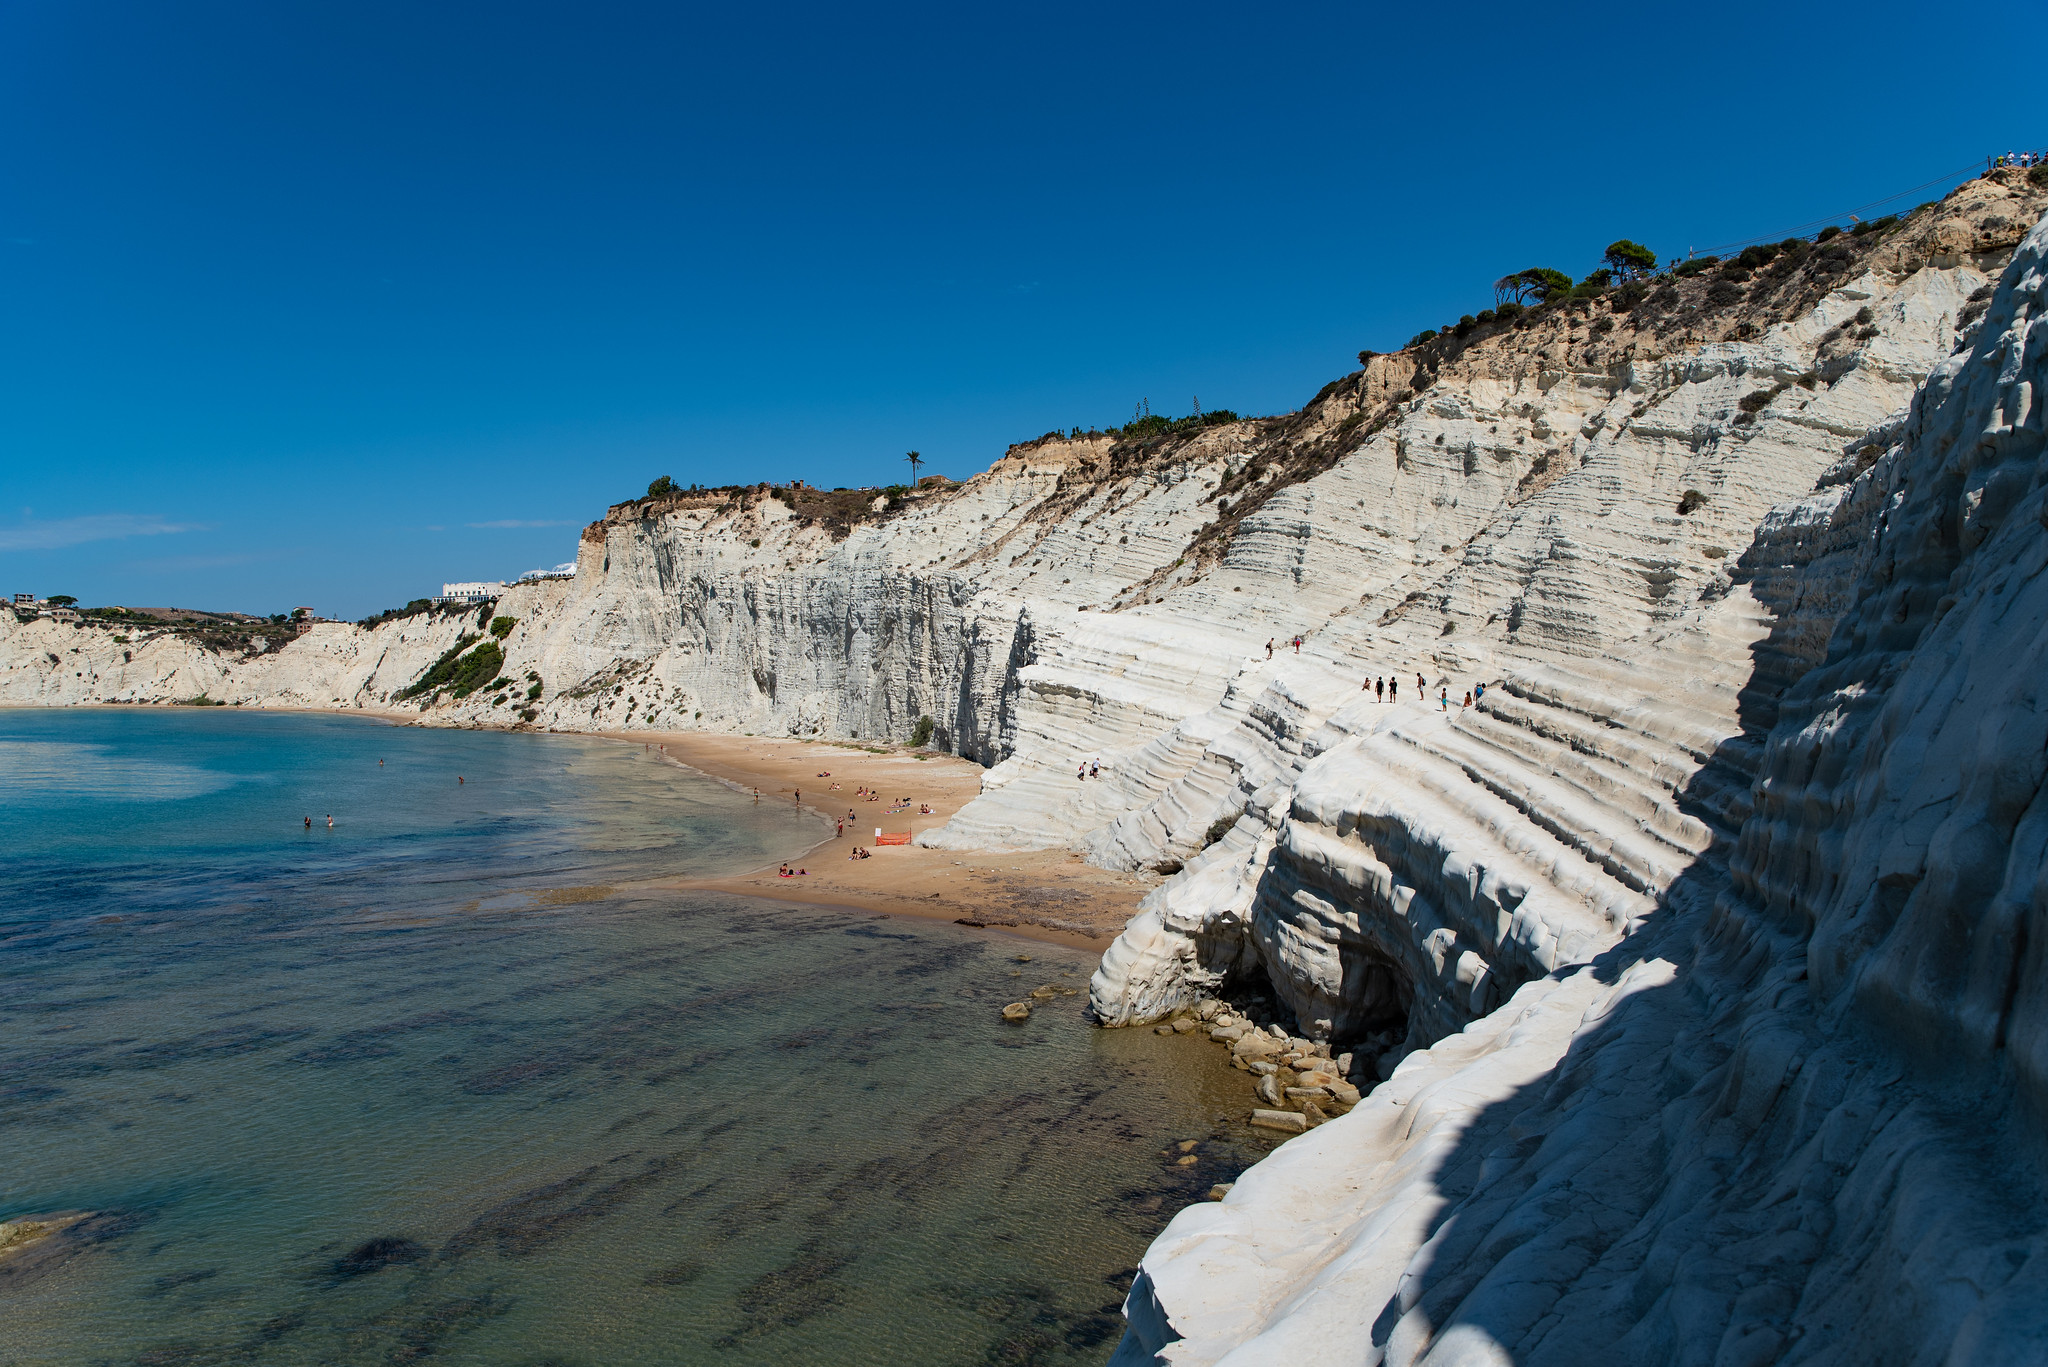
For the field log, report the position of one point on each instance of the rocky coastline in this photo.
(1675, 921)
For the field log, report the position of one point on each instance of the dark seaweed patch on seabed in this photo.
(226, 1042)
(621, 1047)
(872, 933)
(943, 959)
(676, 1274)
(1035, 1329)
(416, 1328)
(25, 1093)
(528, 1223)
(524, 1071)
(346, 1050)
(171, 1281)
(798, 1290)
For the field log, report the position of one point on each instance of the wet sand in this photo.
(1047, 895)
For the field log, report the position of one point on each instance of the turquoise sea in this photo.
(449, 1082)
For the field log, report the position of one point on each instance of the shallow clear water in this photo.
(591, 1123)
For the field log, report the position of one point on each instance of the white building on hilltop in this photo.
(565, 570)
(475, 591)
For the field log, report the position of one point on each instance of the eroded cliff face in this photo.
(1572, 922)
(1793, 1113)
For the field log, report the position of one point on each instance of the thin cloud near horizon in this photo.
(516, 522)
(73, 531)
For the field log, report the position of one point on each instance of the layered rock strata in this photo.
(1795, 1115)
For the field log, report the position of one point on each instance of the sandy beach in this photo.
(1047, 895)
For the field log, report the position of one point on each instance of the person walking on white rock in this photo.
(1393, 690)
(1269, 650)
(1443, 699)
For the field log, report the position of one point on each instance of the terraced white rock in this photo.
(1793, 1116)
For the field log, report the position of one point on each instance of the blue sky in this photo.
(326, 303)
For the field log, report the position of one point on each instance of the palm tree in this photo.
(915, 461)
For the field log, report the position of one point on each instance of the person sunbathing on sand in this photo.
(924, 809)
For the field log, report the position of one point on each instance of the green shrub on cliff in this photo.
(501, 627)
(922, 734)
(476, 669)
(460, 674)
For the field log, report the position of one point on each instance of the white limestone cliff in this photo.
(1574, 921)
(1795, 1114)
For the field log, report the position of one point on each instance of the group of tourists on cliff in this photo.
(1388, 689)
(2019, 159)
